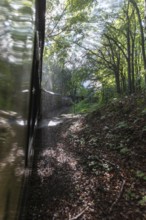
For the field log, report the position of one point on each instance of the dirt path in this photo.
(77, 176)
(57, 178)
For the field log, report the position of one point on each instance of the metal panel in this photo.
(16, 54)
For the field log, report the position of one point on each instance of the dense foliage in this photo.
(95, 49)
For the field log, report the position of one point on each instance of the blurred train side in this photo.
(21, 48)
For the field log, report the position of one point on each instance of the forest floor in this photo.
(91, 166)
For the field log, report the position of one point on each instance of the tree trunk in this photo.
(142, 32)
(117, 80)
(132, 66)
(128, 52)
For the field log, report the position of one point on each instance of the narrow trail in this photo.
(77, 176)
(62, 186)
(55, 184)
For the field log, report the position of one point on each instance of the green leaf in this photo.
(27, 3)
(76, 5)
(143, 201)
(124, 150)
(141, 175)
(144, 112)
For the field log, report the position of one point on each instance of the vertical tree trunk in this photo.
(133, 66)
(142, 32)
(123, 80)
(117, 75)
(117, 80)
(128, 51)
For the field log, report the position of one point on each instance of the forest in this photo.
(95, 50)
(92, 162)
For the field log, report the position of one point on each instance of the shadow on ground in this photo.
(76, 176)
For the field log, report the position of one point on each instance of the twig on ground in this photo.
(79, 215)
(118, 197)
